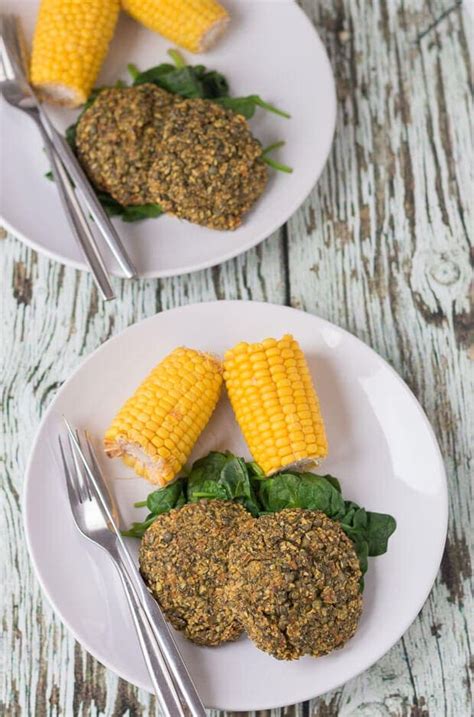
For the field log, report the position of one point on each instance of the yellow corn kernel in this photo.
(282, 403)
(193, 24)
(70, 42)
(159, 451)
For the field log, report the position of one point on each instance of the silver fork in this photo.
(97, 482)
(89, 520)
(17, 93)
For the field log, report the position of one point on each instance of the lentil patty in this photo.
(294, 583)
(183, 560)
(209, 168)
(117, 139)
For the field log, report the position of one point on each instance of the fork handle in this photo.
(156, 665)
(88, 194)
(76, 218)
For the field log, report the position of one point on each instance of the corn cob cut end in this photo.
(156, 429)
(212, 34)
(275, 403)
(156, 470)
(59, 94)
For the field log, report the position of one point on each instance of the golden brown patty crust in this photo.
(209, 168)
(117, 139)
(183, 560)
(294, 583)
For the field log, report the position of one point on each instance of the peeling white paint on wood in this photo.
(380, 247)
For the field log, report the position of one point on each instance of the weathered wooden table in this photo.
(381, 247)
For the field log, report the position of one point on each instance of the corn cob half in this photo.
(193, 24)
(155, 430)
(70, 42)
(275, 403)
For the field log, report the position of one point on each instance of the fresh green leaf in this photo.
(277, 165)
(164, 499)
(133, 71)
(271, 162)
(333, 481)
(235, 478)
(215, 85)
(247, 106)
(49, 175)
(137, 530)
(128, 213)
(254, 471)
(223, 476)
(71, 136)
(301, 490)
(272, 147)
(212, 464)
(202, 488)
(186, 81)
(154, 74)
(140, 211)
(380, 527)
(203, 479)
(177, 58)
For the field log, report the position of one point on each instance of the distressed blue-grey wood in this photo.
(381, 247)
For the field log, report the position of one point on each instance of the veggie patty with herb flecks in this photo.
(294, 584)
(183, 560)
(117, 139)
(209, 168)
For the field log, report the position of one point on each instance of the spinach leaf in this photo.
(138, 212)
(212, 464)
(177, 58)
(247, 106)
(374, 528)
(187, 81)
(158, 502)
(380, 527)
(137, 530)
(133, 71)
(234, 476)
(164, 499)
(222, 476)
(203, 479)
(301, 490)
(199, 488)
(254, 471)
(130, 213)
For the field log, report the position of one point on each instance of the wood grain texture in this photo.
(381, 247)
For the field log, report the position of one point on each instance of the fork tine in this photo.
(80, 460)
(82, 489)
(102, 483)
(84, 475)
(70, 483)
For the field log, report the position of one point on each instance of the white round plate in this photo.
(382, 448)
(271, 49)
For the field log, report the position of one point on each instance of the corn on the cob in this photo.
(275, 403)
(155, 430)
(193, 24)
(70, 42)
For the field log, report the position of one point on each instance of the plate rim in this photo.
(331, 104)
(289, 309)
